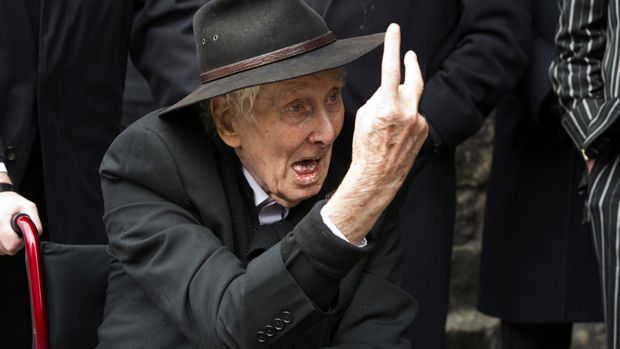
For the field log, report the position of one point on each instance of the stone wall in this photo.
(467, 328)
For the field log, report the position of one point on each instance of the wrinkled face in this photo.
(288, 145)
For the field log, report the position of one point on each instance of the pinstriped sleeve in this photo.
(576, 72)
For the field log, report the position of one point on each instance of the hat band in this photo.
(268, 58)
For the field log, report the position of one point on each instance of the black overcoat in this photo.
(538, 261)
(471, 53)
(176, 280)
(62, 78)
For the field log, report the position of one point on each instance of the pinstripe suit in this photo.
(586, 76)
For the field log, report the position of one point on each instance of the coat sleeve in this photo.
(576, 73)
(488, 59)
(162, 47)
(536, 89)
(370, 320)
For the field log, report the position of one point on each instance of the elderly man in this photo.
(228, 226)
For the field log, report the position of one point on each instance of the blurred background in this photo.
(466, 327)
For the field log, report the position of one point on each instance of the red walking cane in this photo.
(25, 228)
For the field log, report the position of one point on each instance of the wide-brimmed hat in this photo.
(243, 43)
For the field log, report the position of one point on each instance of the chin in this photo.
(310, 192)
(300, 195)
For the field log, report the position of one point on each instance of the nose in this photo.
(326, 128)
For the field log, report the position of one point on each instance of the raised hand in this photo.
(389, 133)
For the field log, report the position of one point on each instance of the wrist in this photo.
(354, 209)
(6, 187)
(5, 181)
(4, 178)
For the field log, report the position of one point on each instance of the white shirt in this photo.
(269, 211)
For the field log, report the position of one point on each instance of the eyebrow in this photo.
(342, 76)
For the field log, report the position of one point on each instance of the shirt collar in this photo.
(262, 201)
(260, 196)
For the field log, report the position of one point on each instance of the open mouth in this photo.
(306, 170)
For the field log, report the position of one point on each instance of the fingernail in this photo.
(394, 26)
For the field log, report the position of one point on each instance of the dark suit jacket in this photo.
(585, 75)
(538, 262)
(471, 53)
(176, 283)
(62, 82)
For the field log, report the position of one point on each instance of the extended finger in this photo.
(413, 84)
(390, 65)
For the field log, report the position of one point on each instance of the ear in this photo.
(224, 117)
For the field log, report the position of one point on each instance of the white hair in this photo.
(242, 102)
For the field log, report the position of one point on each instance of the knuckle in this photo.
(408, 115)
(423, 124)
(13, 247)
(412, 114)
(391, 116)
(390, 111)
(10, 243)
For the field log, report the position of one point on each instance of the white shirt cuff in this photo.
(328, 222)
(3, 167)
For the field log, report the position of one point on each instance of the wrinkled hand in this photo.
(389, 133)
(11, 204)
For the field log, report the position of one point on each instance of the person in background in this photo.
(61, 90)
(585, 75)
(538, 269)
(232, 221)
(471, 52)
(137, 97)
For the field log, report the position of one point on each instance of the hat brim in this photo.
(336, 54)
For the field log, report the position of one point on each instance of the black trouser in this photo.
(604, 208)
(556, 335)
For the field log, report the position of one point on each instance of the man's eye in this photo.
(298, 108)
(295, 108)
(334, 95)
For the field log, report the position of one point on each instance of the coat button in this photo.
(10, 153)
(287, 317)
(261, 337)
(269, 331)
(278, 324)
